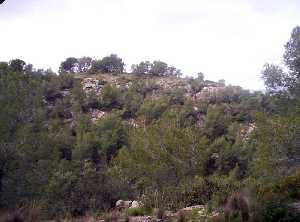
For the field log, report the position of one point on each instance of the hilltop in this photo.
(194, 90)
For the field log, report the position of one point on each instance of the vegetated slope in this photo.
(78, 142)
(100, 88)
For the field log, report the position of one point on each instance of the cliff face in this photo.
(206, 89)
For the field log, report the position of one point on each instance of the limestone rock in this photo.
(123, 204)
(119, 203)
(193, 208)
(136, 204)
(89, 84)
(127, 203)
(96, 114)
(140, 219)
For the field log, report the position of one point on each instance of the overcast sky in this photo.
(229, 40)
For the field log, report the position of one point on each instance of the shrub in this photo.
(181, 217)
(237, 207)
(111, 97)
(27, 213)
(274, 212)
(109, 64)
(113, 216)
(139, 211)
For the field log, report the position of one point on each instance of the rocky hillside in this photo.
(77, 143)
(195, 91)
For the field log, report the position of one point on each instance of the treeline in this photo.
(114, 64)
(180, 152)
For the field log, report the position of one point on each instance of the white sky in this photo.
(229, 40)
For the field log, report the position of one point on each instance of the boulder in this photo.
(123, 204)
(127, 203)
(119, 203)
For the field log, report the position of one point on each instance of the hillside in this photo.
(94, 143)
(196, 91)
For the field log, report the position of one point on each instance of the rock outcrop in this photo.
(136, 204)
(123, 204)
(91, 84)
(96, 114)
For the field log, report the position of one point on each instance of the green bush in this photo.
(275, 211)
(138, 211)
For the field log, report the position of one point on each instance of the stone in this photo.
(127, 203)
(169, 214)
(193, 208)
(136, 204)
(246, 131)
(140, 219)
(123, 204)
(96, 114)
(89, 84)
(119, 203)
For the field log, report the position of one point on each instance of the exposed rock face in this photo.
(209, 92)
(65, 92)
(246, 131)
(96, 114)
(155, 88)
(193, 208)
(200, 120)
(211, 89)
(127, 203)
(136, 204)
(89, 84)
(123, 204)
(119, 203)
(165, 83)
(134, 123)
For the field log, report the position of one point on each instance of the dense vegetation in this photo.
(182, 152)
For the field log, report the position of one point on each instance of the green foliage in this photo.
(138, 211)
(156, 68)
(66, 81)
(17, 65)
(72, 65)
(216, 121)
(159, 68)
(197, 84)
(292, 52)
(112, 134)
(132, 102)
(111, 97)
(83, 186)
(69, 65)
(274, 147)
(152, 110)
(179, 152)
(109, 64)
(274, 78)
(84, 64)
(162, 158)
(141, 68)
(144, 87)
